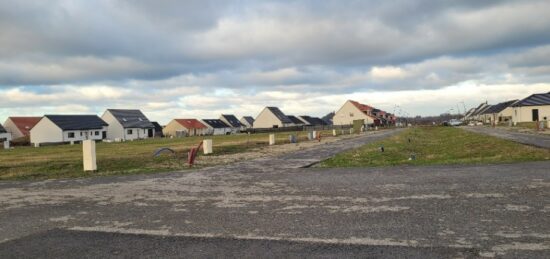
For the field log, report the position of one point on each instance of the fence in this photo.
(298, 128)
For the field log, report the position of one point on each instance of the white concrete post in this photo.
(89, 157)
(207, 146)
(334, 132)
(271, 139)
(310, 135)
(36, 144)
(314, 134)
(7, 144)
(351, 131)
(376, 128)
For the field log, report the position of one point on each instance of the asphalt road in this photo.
(537, 140)
(272, 209)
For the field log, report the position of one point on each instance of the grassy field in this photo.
(437, 145)
(65, 161)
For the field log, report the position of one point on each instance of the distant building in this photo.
(312, 121)
(352, 110)
(535, 107)
(494, 113)
(20, 126)
(217, 127)
(68, 128)
(247, 121)
(4, 136)
(158, 129)
(296, 121)
(128, 125)
(272, 117)
(233, 122)
(185, 128)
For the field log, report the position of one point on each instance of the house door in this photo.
(535, 114)
(104, 134)
(150, 133)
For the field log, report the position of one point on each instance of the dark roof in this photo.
(77, 122)
(248, 119)
(499, 107)
(157, 126)
(534, 100)
(131, 119)
(216, 123)
(279, 114)
(2, 130)
(295, 120)
(233, 121)
(314, 121)
(479, 109)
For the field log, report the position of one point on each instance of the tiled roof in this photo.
(25, 124)
(248, 119)
(499, 107)
(131, 119)
(233, 121)
(535, 100)
(191, 123)
(216, 123)
(77, 122)
(279, 114)
(361, 107)
(314, 121)
(295, 120)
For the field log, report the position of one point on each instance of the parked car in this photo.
(455, 122)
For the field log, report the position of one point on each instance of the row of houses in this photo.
(126, 124)
(535, 107)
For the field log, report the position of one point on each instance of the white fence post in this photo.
(89, 155)
(207, 146)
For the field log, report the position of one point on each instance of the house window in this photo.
(71, 135)
(130, 132)
(96, 133)
(351, 114)
(81, 133)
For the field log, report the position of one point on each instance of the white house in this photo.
(20, 127)
(217, 127)
(233, 122)
(533, 108)
(128, 125)
(352, 110)
(247, 121)
(68, 128)
(5, 137)
(272, 117)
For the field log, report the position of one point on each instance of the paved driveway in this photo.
(537, 140)
(277, 210)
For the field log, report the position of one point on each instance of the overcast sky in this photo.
(198, 59)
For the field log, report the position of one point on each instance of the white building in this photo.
(233, 122)
(128, 125)
(351, 111)
(247, 121)
(533, 108)
(5, 137)
(68, 128)
(272, 117)
(216, 127)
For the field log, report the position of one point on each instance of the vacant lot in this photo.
(127, 157)
(437, 145)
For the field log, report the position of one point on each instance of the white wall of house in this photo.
(80, 135)
(5, 137)
(12, 128)
(506, 114)
(266, 119)
(348, 113)
(525, 113)
(217, 131)
(45, 131)
(116, 131)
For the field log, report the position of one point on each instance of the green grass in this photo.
(65, 161)
(438, 145)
